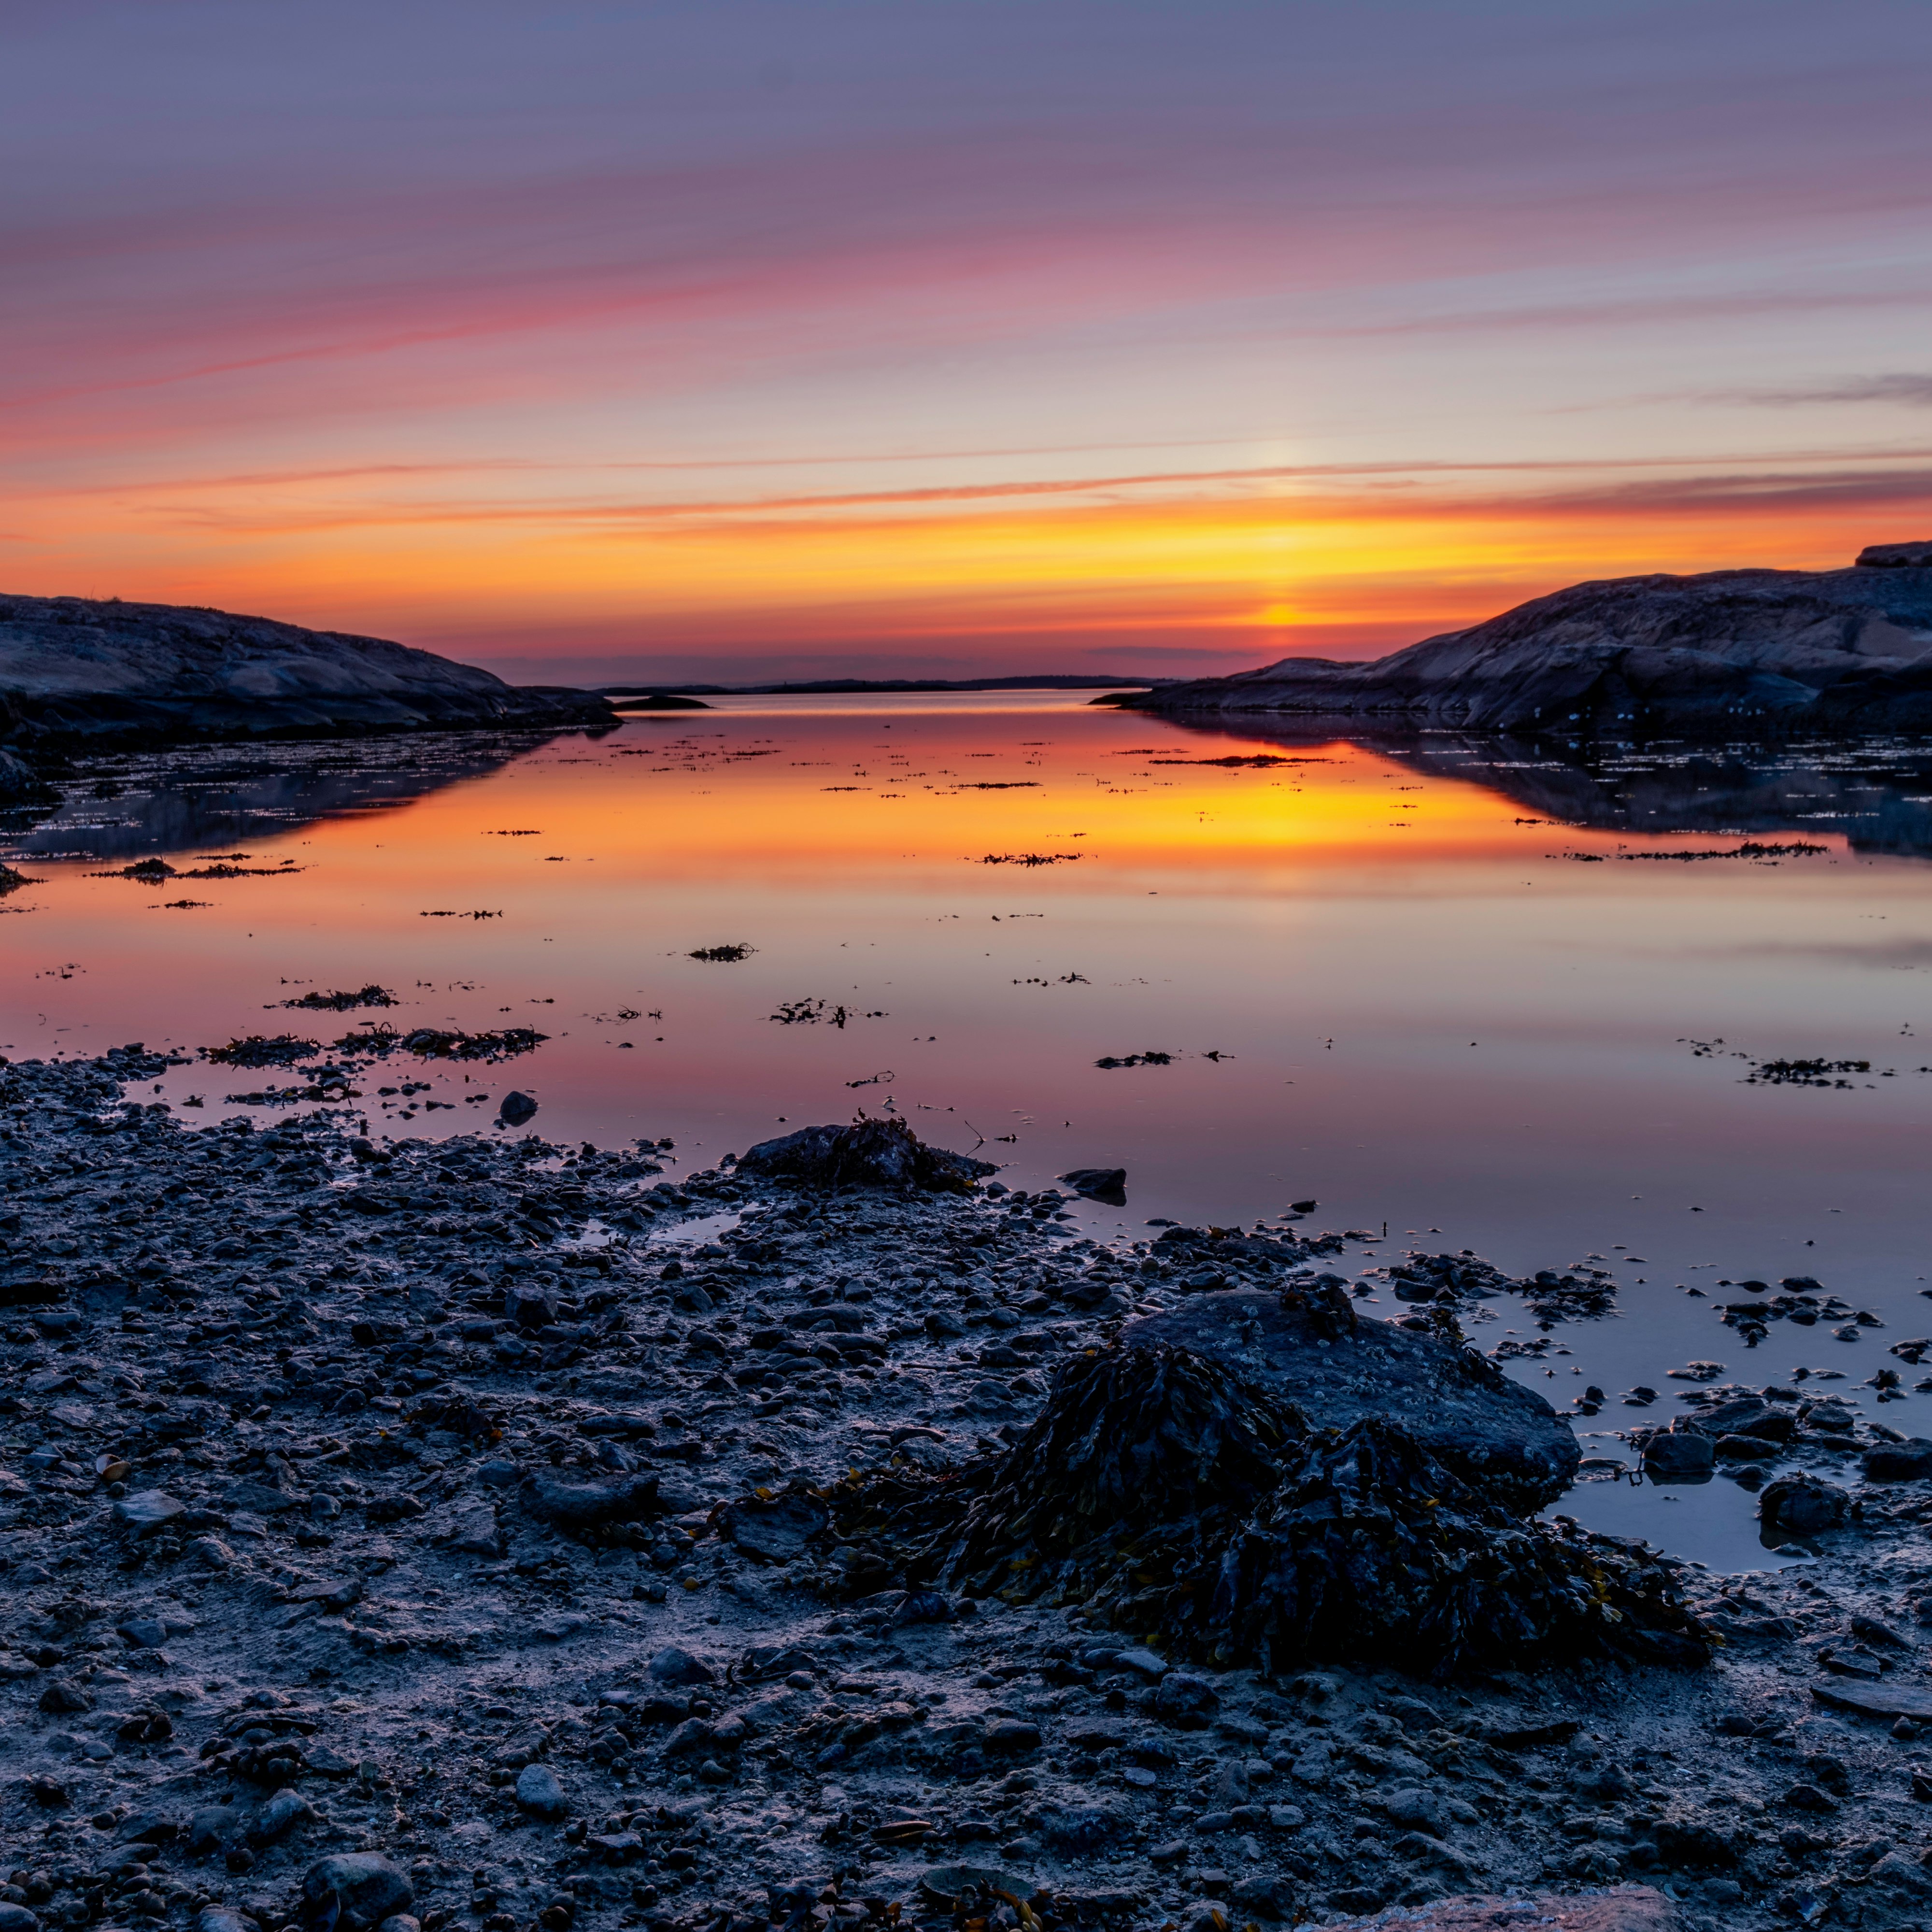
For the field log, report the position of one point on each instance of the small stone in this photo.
(1420, 1811)
(62, 1697)
(364, 1884)
(1145, 1661)
(515, 1108)
(676, 1667)
(1807, 1798)
(1186, 1701)
(147, 1512)
(212, 1827)
(539, 1793)
(17, 1919)
(277, 1818)
(210, 1552)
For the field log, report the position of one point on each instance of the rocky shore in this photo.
(1726, 653)
(77, 671)
(491, 1535)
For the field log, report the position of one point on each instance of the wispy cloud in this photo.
(1912, 390)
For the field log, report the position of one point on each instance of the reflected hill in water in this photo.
(1877, 792)
(184, 798)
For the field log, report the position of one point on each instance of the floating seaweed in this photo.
(728, 955)
(378, 1042)
(281, 1049)
(1147, 1059)
(1029, 858)
(371, 995)
(1804, 1072)
(1797, 848)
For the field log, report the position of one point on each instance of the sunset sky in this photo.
(952, 337)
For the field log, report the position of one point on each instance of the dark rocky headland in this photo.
(76, 671)
(494, 1535)
(1730, 653)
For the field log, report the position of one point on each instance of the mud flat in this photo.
(493, 1534)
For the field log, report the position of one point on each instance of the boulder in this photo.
(1503, 1438)
(1907, 1462)
(1679, 1454)
(1100, 1183)
(1802, 1506)
(354, 1889)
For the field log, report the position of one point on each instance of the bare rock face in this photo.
(75, 667)
(1503, 1438)
(1897, 557)
(1847, 650)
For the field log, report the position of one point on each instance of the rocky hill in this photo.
(74, 667)
(1731, 650)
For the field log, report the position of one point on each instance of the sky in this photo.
(952, 337)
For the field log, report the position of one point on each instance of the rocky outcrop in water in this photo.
(1731, 650)
(79, 668)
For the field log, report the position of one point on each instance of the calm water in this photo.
(1387, 980)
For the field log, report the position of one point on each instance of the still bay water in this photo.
(1470, 992)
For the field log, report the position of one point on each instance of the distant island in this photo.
(1749, 651)
(633, 693)
(79, 669)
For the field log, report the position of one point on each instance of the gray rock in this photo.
(1186, 1701)
(1802, 1506)
(1145, 1661)
(679, 1667)
(213, 1828)
(1906, 1462)
(17, 1919)
(286, 1810)
(220, 1919)
(210, 1552)
(1264, 1897)
(539, 1793)
(515, 1108)
(147, 1512)
(1494, 1431)
(144, 1633)
(366, 1886)
(1788, 650)
(1679, 1454)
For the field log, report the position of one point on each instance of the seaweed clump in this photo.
(869, 1153)
(281, 1049)
(1174, 1501)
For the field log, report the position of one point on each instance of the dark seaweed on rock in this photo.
(1177, 1501)
(1131, 1440)
(869, 1153)
(1371, 1548)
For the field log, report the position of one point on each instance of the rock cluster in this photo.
(432, 1537)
